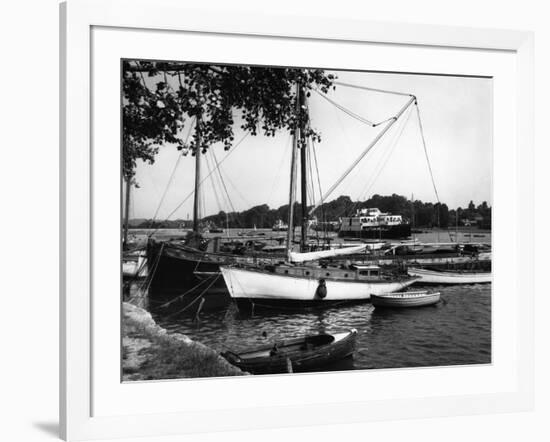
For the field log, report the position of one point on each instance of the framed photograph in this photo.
(327, 221)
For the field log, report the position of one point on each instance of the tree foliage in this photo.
(159, 98)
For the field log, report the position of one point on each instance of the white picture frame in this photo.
(79, 355)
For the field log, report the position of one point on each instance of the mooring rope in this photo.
(149, 279)
(194, 300)
(167, 304)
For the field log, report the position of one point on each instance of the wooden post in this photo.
(199, 309)
(288, 365)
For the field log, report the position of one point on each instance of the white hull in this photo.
(131, 267)
(254, 284)
(406, 299)
(434, 277)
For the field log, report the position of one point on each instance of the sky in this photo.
(456, 115)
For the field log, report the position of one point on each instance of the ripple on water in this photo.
(456, 331)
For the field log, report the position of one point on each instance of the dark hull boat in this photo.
(172, 271)
(296, 355)
(184, 274)
(400, 231)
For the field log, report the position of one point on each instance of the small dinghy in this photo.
(406, 299)
(428, 276)
(295, 355)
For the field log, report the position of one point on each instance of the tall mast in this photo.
(412, 209)
(303, 177)
(196, 215)
(456, 225)
(126, 213)
(293, 172)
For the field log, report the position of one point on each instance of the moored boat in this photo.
(427, 276)
(372, 223)
(279, 226)
(406, 299)
(287, 285)
(134, 264)
(296, 355)
(175, 268)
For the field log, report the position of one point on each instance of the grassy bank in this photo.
(150, 352)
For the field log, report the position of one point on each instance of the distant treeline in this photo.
(419, 213)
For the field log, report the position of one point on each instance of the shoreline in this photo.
(149, 352)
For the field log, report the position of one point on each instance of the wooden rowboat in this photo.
(427, 276)
(406, 299)
(295, 355)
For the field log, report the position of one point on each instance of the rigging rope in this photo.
(311, 186)
(173, 174)
(411, 100)
(353, 114)
(218, 188)
(384, 160)
(347, 111)
(225, 187)
(395, 136)
(323, 215)
(202, 181)
(365, 88)
(235, 188)
(178, 297)
(196, 299)
(214, 190)
(277, 179)
(426, 152)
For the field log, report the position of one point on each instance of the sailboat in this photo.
(297, 284)
(191, 266)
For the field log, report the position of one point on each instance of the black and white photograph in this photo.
(281, 220)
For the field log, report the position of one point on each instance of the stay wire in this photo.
(172, 175)
(393, 144)
(371, 89)
(225, 187)
(205, 178)
(426, 151)
(347, 111)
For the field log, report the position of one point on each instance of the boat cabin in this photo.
(368, 218)
(367, 270)
(353, 272)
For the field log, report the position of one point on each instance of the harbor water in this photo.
(456, 331)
